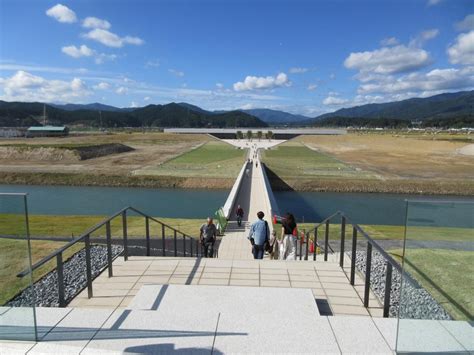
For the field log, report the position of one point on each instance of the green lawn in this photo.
(213, 159)
(295, 160)
(14, 259)
(74, 226)
(448, 275)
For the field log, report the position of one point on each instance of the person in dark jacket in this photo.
(259, 233)
(240, 214)
(208, 235)
(288, 238)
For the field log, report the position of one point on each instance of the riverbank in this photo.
(392, 186)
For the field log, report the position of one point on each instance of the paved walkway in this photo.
(252, 198)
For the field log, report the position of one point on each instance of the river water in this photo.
(363, 208)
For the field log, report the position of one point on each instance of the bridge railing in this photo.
(182, 245)
(357, 232)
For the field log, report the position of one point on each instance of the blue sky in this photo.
(306, 57)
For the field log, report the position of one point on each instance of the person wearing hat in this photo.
(259, 234)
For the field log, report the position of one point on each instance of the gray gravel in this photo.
(46, 289)
(416, 302)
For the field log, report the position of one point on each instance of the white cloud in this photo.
(423, 37)
(102, 57)
(258, 83)
(152, 64)
(219, 86)
(298, 70)
(110, 39)
(94, 22)
(334, 101)
(77, 52)
(122, 90)
(23, 86)
(133, 104)
(146, 98)
(465, 25)
(433, 2)
(312, 87)
(389, 41)
(102, 86)
(62, 14)
(388, 60)
(332, 76)
(422, 84)
(176, 72)
(462, 51)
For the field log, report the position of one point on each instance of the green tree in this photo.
(269, 135)
(249, 135)
(239, 135)
(259, 135)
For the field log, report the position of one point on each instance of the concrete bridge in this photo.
(232, 304)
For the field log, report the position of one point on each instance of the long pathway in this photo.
(252, 198)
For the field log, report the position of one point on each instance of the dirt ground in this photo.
(397, 157)
(150, 149)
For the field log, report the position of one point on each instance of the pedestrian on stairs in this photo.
(208, 235)
(259, 234)
(289, 232)
(240, 215)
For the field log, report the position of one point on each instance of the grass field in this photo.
(73, 226)
(213, 159)
(447, 275)
(14, 259)
(294, 160)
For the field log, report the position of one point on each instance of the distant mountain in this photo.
(196, 108)
(170, 115)
(266, 115)
(275, 116)
(93, 107)
(443, 106)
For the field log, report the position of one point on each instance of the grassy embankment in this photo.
(158, 160)
(371, 163)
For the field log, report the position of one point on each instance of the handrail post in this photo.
(315, 243)
(354, 252)
(191, 245)
(60, 271)
(147, 234)
(343, 238)
(125, 239)
(301, 246)
(175, 243)
(109, 248)
(88, 266)
(163, 239)
(368, 266)
(184, 245)
(388, 288)
(307, 244)
(326, 241)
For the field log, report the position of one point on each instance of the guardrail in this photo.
(371, 244)
(195, 248)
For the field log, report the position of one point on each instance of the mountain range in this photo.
(449, 109)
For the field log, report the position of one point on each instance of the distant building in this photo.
(47, 131)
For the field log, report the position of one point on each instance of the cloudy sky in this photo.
(306, 57)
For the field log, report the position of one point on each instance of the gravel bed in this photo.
(417, 303)
(46, 289)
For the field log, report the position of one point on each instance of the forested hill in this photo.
(441, 107)
(170, 115)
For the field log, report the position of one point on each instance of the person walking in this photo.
(240, 215)
(258, 235)
(207, 236)
(289, 233)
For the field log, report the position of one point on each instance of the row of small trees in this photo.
(250, 135)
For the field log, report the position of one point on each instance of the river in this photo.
(363, 208)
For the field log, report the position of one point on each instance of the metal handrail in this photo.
(86, 238)
(90, 231)
(371, 243)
